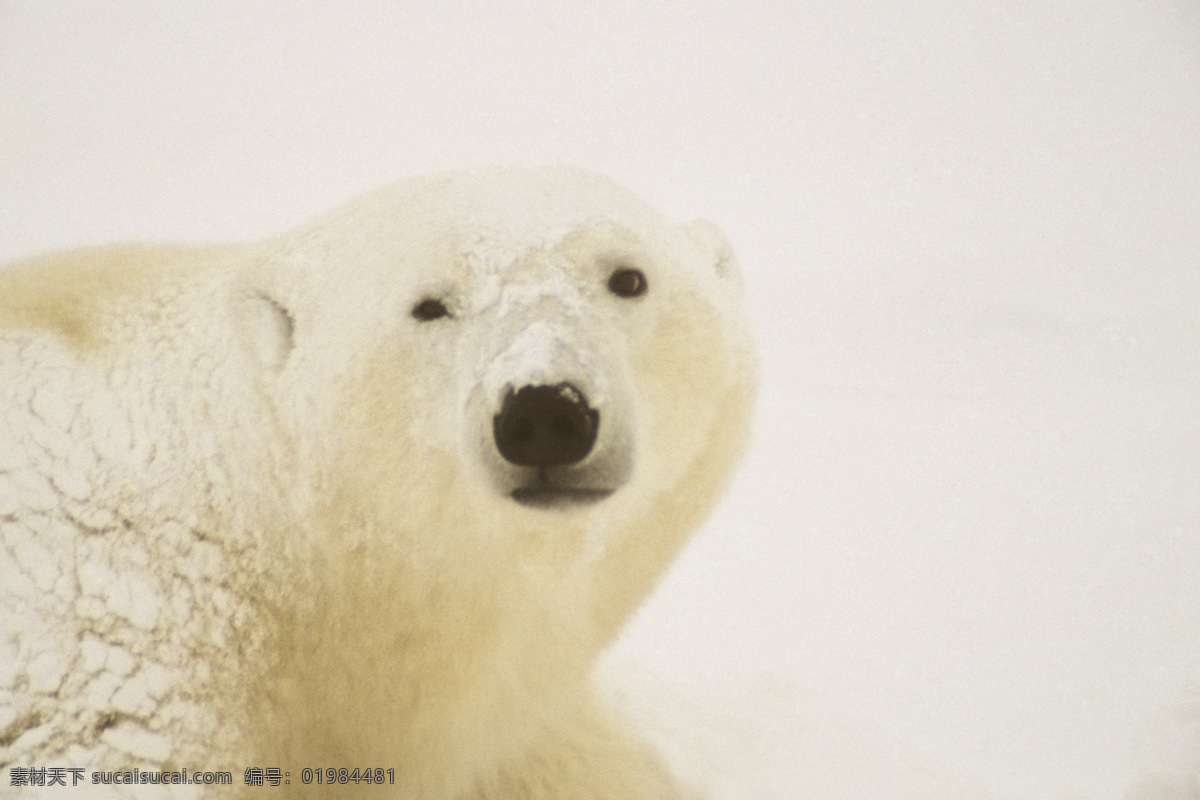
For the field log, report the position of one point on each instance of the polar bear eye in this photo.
(430, 309)
(627, 282)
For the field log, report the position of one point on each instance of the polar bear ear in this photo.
(269, 328)
(714, 248)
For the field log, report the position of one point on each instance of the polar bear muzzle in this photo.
(543, 426)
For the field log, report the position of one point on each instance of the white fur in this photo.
(252, 511)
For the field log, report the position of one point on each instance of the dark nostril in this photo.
(521, 429)
(541, 426)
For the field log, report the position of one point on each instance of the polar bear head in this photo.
(528, 364)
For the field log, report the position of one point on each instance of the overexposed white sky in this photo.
(968, 534)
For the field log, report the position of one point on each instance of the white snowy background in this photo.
(963, 558)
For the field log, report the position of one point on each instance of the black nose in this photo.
(540, 426)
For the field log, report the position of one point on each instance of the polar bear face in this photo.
(540, 341)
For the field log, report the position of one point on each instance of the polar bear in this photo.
(354, 510)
